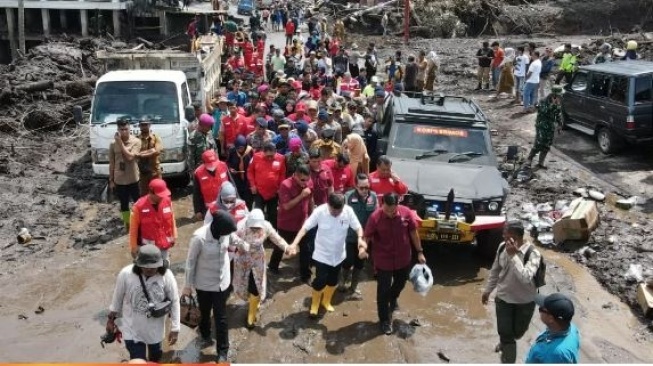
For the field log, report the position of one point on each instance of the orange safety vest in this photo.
(156, 226)
(210, 183)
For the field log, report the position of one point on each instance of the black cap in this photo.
(557, 304)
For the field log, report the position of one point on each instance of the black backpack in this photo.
(539, 279)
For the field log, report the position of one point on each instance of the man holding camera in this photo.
(145, 293)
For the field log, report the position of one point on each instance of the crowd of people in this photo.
(288, 156)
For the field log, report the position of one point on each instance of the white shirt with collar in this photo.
(513, 279)
(331, 233)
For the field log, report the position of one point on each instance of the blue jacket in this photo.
(555, 348)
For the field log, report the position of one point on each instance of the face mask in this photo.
(229, 206)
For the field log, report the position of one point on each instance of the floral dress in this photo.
(254, 259)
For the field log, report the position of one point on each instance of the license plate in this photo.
(442, 237)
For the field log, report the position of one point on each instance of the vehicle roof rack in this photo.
(430, 99)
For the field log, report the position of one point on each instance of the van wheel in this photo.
(608, 142)
(487, 243)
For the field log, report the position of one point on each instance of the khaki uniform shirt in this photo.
(125, 172)
(152, 163)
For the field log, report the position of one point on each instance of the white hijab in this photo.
(433, 57)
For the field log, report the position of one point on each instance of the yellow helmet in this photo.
(631, 46)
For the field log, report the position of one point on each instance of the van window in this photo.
(184, 95)
(619, 90)
(580, 82)
(600, 85)
(643, 89)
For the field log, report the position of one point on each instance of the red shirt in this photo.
(293, 219)
(498, 57)
(266, 175)
(322, 181)
(391, 246)
(231, 128)
(290, 28)
(246, 125)
(382, 186)
(343, 178)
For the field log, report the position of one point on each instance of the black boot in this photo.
(487, 86)
(478, 87)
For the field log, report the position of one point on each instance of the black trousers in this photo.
(325, 275)
(126, 193)
(269, 208)
(352, 259)
(389, 285)
(251, 285)
(216, 301)
(354, 70)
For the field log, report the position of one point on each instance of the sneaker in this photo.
(386, 328)
(223, 356)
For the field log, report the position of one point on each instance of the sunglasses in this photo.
(543, 310)
(364, 188)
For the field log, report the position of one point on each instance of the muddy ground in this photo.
(70, 266)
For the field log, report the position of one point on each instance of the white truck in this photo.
(161, 85)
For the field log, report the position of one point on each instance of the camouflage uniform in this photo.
(548, 116)
(198, 143)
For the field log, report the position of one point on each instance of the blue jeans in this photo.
(138, 350)
(496, 73)
(530, 94)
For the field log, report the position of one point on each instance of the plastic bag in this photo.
(422, 279)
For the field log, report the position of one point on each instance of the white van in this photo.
(163, 95)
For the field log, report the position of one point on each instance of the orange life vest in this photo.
(210, 183)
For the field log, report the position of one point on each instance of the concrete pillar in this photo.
(163, 22)
(63, 19)
(45, 16)
(11, 26)
(83, 17)
(116, 23)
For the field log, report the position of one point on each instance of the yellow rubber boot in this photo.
(326, 298)
(254, 302)
(126, 216)
(315, 302)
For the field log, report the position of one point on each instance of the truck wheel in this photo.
(608, 142)
(487, 242)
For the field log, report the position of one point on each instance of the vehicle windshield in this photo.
(134, 99)
(415, 139)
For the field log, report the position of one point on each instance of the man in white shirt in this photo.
(278, 61)
(513, 280)
(333, 220)
(139, 286)
(532, 82)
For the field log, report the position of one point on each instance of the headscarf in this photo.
(433, 57)
(357, 151)
(222, 224)
(509, 56)
(227, 190)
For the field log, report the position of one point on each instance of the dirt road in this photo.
(75, 289)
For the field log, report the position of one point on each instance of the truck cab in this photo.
(162, 95)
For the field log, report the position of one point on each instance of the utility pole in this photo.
(21, 27)
(406, 20)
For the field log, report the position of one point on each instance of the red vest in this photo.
(155, 225)
(238, 212)
(210, 184)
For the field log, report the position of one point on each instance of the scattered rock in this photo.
(39, 310)
(443, 357)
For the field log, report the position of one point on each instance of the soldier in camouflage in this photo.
(548, 117)
(200, 140)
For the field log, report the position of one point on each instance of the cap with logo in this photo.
(159, 187)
